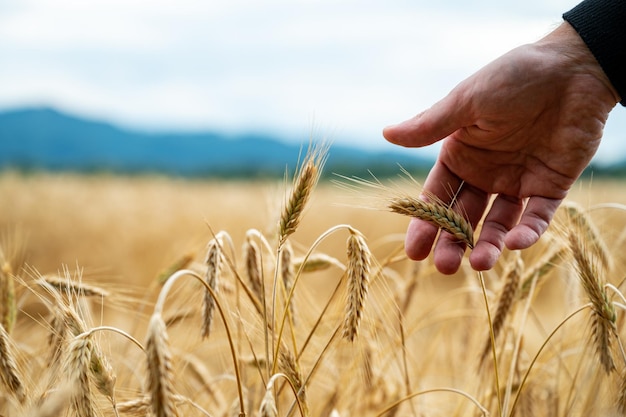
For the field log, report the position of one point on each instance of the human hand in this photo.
(522, 129)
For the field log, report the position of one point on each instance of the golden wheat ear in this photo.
(160, 375)
(212, 277)
(581, 220)
(359, 263)
(77, 368)
(437, 214)
(603, 312)
(305, 180)
(9, 373)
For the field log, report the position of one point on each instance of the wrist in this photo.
(577, 58)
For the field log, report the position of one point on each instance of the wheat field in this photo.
(150, 296)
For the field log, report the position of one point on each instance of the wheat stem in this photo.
(158, 308)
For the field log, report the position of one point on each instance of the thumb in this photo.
(430, 126)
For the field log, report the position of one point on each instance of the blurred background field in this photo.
(131, 227)
(420, 330)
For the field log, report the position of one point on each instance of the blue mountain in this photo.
(46, 139)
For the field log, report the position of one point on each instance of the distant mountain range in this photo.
(46, 139)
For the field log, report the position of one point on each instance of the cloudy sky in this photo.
(341, 69)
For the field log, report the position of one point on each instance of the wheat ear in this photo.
(68, 319)
(287, 272)
(8, 307)
(254, 267)
(581, 219)
(552, 257)
(603, 311)
(359, 262)
(9, 374)
(211, 277)
(77, 365)
(436, 214)
(75, 288)
(160, 374)
(305, 181)
(287, 364)
(621, 398)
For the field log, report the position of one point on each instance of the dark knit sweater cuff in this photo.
(602, 26)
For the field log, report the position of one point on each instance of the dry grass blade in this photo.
(212, 277)
(9, 374)
(160, 374)
(507, 297)
(359, 262)
(436, 214)
(305, 181)
(181, 263)
(603, 316)
(315, 262)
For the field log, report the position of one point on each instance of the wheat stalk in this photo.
(436, 214)
(505, 302)
(359, 260)
(268, 404)
(160, 374)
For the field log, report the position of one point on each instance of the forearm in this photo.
(601, 24)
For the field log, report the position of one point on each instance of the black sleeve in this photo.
(602, 26)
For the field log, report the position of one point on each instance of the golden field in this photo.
(98, 250)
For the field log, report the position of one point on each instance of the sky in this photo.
(292, 68)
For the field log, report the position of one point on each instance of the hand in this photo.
(521, 129)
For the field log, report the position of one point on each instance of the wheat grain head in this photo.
(160, 374)
(359, 262)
